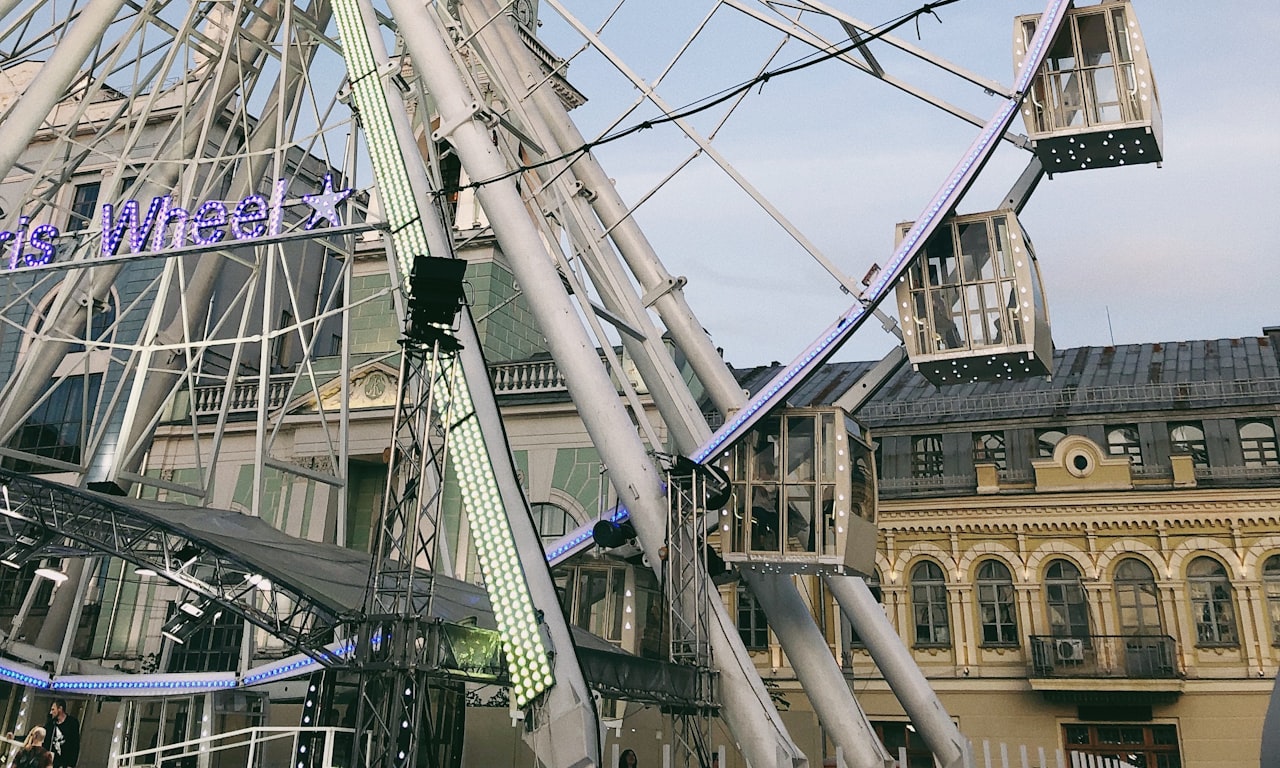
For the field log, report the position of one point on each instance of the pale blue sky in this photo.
(1181, 252)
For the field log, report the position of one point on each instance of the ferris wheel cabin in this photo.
(1093, 104)
(972, 305)
(804, 496)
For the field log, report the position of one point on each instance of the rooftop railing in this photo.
(1069, 397)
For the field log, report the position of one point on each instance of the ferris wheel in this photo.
(193, 194)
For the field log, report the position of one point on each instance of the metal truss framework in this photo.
(66, 520)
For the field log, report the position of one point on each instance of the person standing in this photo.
(627, 759)
(63, 735)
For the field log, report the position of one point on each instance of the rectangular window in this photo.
(600, 601)
(926, 456)
(281, 345)
(899, 738)
(83, 206)
(753, 627)
(13, 589)
(1214, 612)
(929, 602)
(214, 647)
(873, 584)
(1136, 744)
(57, 427)
(996, 609)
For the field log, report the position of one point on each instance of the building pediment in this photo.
(1079, 464)
(372, 385)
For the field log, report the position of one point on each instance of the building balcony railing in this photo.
(895, 487)
(1237, 474)
(1150, 657)
(526, 378)
(208, 400)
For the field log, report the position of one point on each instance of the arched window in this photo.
(1137, 601)
(1123, 440)
(1258, 444)
(1271, 583)
(1065, 598)
(989, 447)
(1188, 438)
(926, 456)
(996, 608)
(1047, 440)
(1212, 605)
(552, 521)
(929, 605)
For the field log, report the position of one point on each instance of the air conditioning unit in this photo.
(1069, 650)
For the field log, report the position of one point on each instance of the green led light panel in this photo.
(528, 662)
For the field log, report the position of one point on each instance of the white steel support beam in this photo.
(777, 595)
(901, 672)
(747, 708)
(816, 669)
(507, 54)
(668, 296)
(50, 85)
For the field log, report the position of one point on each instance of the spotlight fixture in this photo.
(179, 628)
(435, 294)
(56, 575)
(186, 556)
(185, 621)
(24, 547)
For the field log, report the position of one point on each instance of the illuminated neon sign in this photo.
(165, 226)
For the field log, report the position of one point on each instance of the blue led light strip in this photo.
(28, 676)
(838, 332)
(164, 683)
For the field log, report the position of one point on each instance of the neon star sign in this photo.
(165, 226)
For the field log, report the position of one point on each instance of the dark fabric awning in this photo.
(332, 577)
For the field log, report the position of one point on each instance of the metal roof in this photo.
(1086, 380)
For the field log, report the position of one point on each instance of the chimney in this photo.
(1272, 334)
